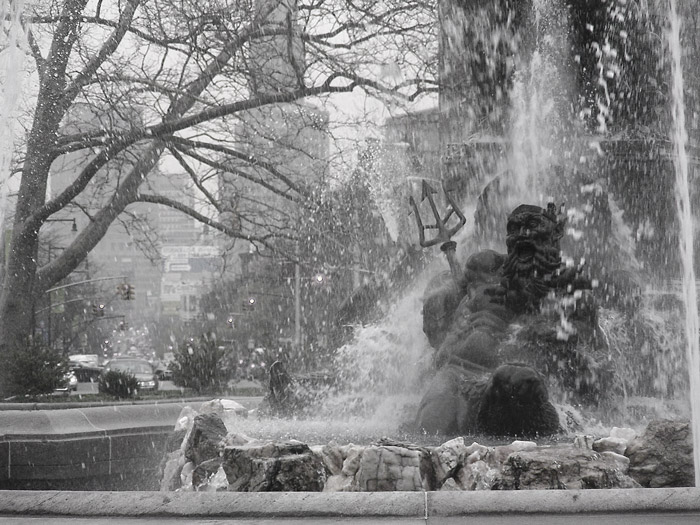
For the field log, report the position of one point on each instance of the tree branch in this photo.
(107, 49)
(231, 232)
(250, 159)
(193, 176)
(230, 169)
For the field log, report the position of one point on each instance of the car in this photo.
(163, 367)
(86, 367)
(163, 371)
(86, 360)
(139, 368)
(70, 382)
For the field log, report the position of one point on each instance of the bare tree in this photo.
(121, 85)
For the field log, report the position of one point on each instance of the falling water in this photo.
(680, 139)
(539, 105)
(11, 62)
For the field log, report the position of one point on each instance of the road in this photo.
(91, 388)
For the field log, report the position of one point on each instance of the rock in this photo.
(477, 475)
(612, 444)
(447, 458)
(624, 433)
(186, 476)
(351, 463)
(204, 442)
(394, 468)
(339, 483)
(215, 483)
(450, 485)
(174, 461)
(235, 438)
(204, 471)
(623, 462)
(185, 419)
(561, 468)
(265, 467)
(663, 455)
(332, 457)
(483, 464)
(212, 407)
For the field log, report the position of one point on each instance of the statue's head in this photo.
(531, 228)
(532, 238)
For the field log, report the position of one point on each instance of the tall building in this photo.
(290, 145)
(288, 141)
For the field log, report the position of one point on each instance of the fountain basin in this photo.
(106, 447)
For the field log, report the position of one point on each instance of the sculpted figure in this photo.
(502, 323)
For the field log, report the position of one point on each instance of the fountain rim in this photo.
(347, 504)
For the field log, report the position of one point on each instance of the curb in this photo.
(95, 404)
(420, 505)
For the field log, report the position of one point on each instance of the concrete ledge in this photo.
(60, 405)
(345, 504)
(85, 448)
(564, 501)
(43, 424)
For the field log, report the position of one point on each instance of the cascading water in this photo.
(539, 106)
(11, 63)
(680, 140)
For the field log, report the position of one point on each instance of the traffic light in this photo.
(249, 304)
(98, 310)
(123, 325)
(130, 293)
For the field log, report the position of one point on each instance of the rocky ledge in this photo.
(204, 456)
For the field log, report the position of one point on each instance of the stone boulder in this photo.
(288, 466)
(204, 442)
(663, 455)
(563, 467)
(193, 455)
(394, 467)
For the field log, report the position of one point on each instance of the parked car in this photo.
(86, 367)
(89, 360)
(70, 382)
(163, 371)
(140, 368)
(162, 367)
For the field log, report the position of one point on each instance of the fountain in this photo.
(600, 162)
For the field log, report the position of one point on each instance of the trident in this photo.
(444, 234)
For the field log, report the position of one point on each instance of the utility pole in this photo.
(297, 303)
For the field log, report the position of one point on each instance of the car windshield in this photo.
(135, 367)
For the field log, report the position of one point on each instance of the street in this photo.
(91, 388)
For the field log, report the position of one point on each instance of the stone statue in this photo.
(511, 319)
